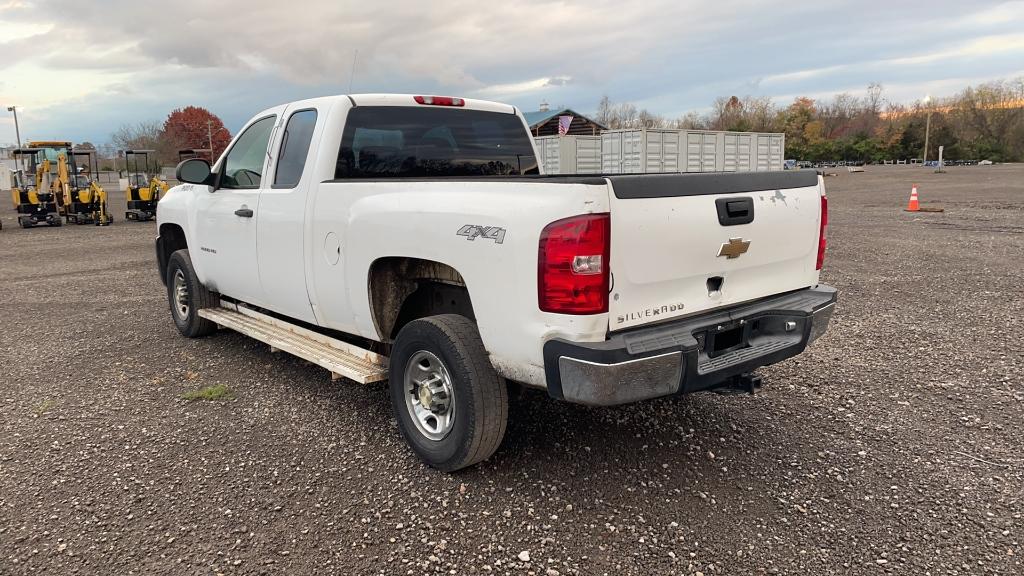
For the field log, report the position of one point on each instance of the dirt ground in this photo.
(893, 445)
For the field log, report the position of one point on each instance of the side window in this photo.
(243, 166)
(294, 148)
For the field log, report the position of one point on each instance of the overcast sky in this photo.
(79, 69)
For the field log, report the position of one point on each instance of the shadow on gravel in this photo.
(679, 438)
(690, 445)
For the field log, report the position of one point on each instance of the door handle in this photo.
(244, 212)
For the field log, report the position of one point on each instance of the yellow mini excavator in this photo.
(79, 198)
(34, 199)
(85, 201)
(142, 192)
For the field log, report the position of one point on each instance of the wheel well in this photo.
(170, 240)
(404, 289)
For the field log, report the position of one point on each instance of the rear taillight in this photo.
(572, 265)
(822, 243)
(439, 101)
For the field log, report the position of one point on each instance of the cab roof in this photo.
(410, 100)
(396, 100)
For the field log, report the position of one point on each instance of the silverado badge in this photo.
(734, 248)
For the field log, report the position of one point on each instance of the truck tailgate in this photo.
(682, 243)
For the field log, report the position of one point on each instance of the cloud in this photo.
(520, 88)
(122, 61)
(985, 47)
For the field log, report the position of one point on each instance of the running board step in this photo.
(341, 358)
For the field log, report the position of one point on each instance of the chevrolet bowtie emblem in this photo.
(733, 248)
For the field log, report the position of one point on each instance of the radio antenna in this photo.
(352, 75)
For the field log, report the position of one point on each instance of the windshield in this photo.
(51, 153)
(405, 141)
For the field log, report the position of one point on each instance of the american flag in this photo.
(563, 125)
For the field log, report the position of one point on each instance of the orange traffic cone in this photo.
(913, 205)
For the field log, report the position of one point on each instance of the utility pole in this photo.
(927, 126)
(209, 137)
(17, 131)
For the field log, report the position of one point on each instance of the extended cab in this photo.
(415, 239)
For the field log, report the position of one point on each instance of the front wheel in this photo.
(451, 406)
(186, 296)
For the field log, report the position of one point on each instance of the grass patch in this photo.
(211, 393)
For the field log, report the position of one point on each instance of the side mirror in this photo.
(193, 171)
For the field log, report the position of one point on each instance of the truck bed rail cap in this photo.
(699, 184)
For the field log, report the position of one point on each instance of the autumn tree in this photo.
(196, 127)
(727, 114)
(794, 121)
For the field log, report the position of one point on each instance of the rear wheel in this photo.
(451, 406)
(187, 296)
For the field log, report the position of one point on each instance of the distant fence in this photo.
(108, 178)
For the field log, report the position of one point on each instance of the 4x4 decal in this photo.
(472, 232)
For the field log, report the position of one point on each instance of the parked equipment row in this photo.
(55, 184)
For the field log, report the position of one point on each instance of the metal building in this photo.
(652, 151)
(570, 154)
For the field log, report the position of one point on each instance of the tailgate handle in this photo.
(736, 210)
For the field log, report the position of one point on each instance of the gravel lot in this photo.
(894, 445)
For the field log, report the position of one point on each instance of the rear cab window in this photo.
(412, 142)
(295, 143)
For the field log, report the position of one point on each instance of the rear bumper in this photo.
(687, 355)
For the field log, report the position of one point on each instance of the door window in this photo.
(294, 148)
(243, 166)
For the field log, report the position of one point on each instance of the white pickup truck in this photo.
(415, 239)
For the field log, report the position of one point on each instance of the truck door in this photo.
(226, 227)
(282, 233)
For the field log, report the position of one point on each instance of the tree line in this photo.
(984, 122)
(191, 127)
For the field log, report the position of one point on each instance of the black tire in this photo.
(189, 323)
(480, 395)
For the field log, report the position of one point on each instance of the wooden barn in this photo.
(545, 123)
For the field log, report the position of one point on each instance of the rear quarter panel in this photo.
(422, 220)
